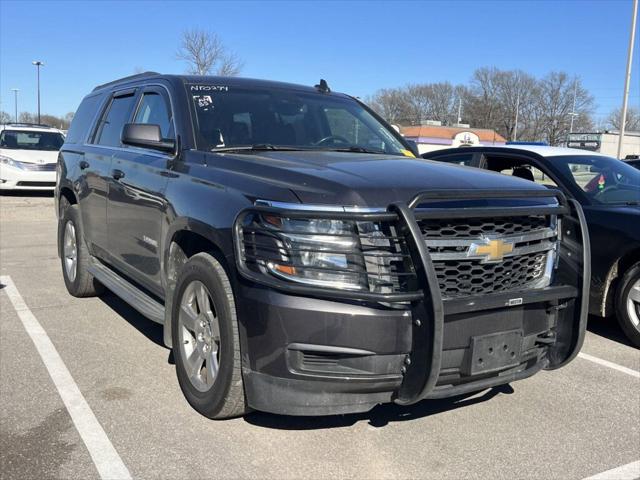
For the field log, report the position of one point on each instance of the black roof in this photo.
(207, 79)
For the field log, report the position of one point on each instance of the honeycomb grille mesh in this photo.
(464, 276)
(476, 227)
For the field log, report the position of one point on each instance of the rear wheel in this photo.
(628, 304)
(75, 255)
(206, 343)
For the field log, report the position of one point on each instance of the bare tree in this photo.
(205, 53)
(392, 104)
(558, 93)
(632, 123)
(5, 118)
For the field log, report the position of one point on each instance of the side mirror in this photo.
(413, 146)
(146, 135)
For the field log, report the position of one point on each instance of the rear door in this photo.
(136, 204)
(96, 169)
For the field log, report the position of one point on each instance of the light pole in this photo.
(627, 78)
(38, 64)
(15, 102)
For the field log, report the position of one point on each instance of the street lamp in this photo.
(15, 102)
(38, 64)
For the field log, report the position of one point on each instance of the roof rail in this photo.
(126, 79)
(28, 124)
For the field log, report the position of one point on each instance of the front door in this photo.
(136, 206)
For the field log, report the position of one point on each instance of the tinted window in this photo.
(154, 110)
(458, 159)
(604, 180)
(30, 140)
(113, 122)
(83, 119)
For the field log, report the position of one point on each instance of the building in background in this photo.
(431, 136)
(606, 142)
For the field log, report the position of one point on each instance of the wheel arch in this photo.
(616, 271)
(185, 238)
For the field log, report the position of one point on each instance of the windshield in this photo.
(244, 117)
(604, 180)
(30, 140)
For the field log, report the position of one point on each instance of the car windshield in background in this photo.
(229, 117)
(605, 180)
(30, 140)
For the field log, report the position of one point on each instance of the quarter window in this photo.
(114, 120)
(154, 110)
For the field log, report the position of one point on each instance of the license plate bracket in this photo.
(494, 352)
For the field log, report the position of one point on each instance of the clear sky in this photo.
(358, 47)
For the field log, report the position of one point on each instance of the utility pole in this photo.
(515, 126)
(573, 110)
(15, 102)
(38, 64)
(627, 79)
(459, 110)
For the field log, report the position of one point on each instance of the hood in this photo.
(342, 178)
(31, 156)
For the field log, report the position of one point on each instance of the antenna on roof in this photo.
(323, 87)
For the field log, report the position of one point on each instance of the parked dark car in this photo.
(609, 192)
(633, 160)
(301, 259)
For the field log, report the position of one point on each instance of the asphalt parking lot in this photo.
(572, 423)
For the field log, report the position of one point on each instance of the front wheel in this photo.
(206, 345)
(628, 304)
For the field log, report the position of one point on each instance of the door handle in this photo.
(117, 174)
(84, 164)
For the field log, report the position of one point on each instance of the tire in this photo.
(81, 283)
(628, 304)
(206, 343)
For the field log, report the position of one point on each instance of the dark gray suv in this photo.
(301, 259)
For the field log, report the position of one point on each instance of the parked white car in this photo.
(28, 156)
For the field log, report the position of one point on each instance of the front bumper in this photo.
(308, 355)
(17, 179)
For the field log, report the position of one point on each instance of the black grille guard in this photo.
(427, 302)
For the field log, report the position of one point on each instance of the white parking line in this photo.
(103, 454)
(631, 471)
(606, 363)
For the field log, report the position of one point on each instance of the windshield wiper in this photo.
(258, 147)
(356, 149)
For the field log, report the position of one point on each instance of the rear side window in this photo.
(113, 121)
(154, 110)
(457, 159)
(83, 119)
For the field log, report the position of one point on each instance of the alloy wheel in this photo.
(199, 335)
(633, 304)
(70, 251)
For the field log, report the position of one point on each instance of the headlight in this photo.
(327, 253)
(316, 252)
(10, 162)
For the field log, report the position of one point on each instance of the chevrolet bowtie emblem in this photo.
(492, 250)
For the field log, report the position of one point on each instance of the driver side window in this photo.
(153, 109)
(343, 124)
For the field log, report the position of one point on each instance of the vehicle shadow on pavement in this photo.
(608, 328)
(380, 416)
(149, 328)
(26, 193)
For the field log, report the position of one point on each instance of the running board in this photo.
(131, 294)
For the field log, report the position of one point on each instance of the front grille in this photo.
(462, 272)
(39, 167)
